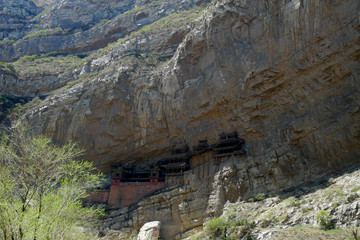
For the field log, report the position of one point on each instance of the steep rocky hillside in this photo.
(14, 16)
(291, 214)
(295, 214)
(83, 26)
(129, 79)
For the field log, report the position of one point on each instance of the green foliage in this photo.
(355, 189)
(46, 32)
(9, 105)
(292, 201)
(21, 106)
(198, 236)
(7, 41)
(145, 6)
(283, 217)
(269, 214)
(217, 228)
(333, 192)
(355, 234)
(45, 64)
(41, 185)
(174, 20)
(324, 220)
(306, 209)
(101, 22)
(260, 197)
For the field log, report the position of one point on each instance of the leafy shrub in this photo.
(41, 185)
(260, 197)
(283, 217)
(355, 189)
(292, 201)
(306, 209)
(46, 32)
(324, 220)
(198, 236)
(333, 192)
(217, 228)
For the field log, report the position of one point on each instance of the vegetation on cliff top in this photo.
(44, 64)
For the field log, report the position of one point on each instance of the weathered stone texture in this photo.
(284, 74)
(150, 231)
(14, 16)
(78, 19)
(293, 97)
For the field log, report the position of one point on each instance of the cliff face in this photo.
(284, 74)
(287, 81)
(14, 16)
(83, 26)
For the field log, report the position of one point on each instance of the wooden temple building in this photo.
(131, 183)
(229, 144)
(201, 147)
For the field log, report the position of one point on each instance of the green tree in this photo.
(41, 186)
(324, 220)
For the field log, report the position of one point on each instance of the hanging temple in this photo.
(129, 184)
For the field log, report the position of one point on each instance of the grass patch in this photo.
(283, 217)
(260, 196)
(332, 192)
(198, 236)
(292, 201)
(306, 209)
(218, 228)
(7, 41)
(355, 189)
(145, 6)
(311, 232)
(174, 20)
(44, 64)
(46, 32)
(269, 214)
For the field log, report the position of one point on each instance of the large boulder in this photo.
(150, 231)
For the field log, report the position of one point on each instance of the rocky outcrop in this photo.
(88, 39)
(14, 17)
(182, 210)
(43, 80)
(301, 206)
(80, 14)
(39, 85)
(150, 231)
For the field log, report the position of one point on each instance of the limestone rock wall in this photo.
(83, 30)
(42, 83)
(14, 17)
(80, 13)
(284, 74)
(286, 81)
